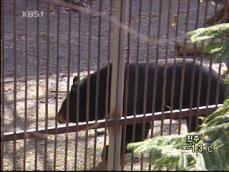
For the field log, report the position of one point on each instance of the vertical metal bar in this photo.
(68, 80)
(225, 20)
(15, 81)
(220, 66)
(219, 71)
(108, 81)
(146, 73)
(47, 77)
(118, 67)
(157, 58)
(116, 110)
(174, 69)
(37, 79)
(26, 73)
(97, 80)
(165, 74)
(136, 79)
(209, 84)
(88, 84)
(2, 80)
(209, 75)
(78, 87)
(201, 66)
(166, 56)
(183, 67)
(193, 68)
(220, 63)
(117, 86)
(115, 113)
(57, 82)
(218, 88)
(156, 70)
(126, 86)
(210, 69)
(165, 67)
(215, 10)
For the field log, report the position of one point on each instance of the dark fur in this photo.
(140, 92)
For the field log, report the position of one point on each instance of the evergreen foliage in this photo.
(215, 39)
(170, 152)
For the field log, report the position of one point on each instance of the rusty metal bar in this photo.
(97, 81)
(219, 70)
(193, 67)
(220, 64)
(78, 88)
(32, 133)
(183, 65)
(164, 76)
(218, 88)
(166, 58)
(117, 86)
(201, 66)
(57, 81)
(156, 65)
(215, 10)
(226, 3)
(68, 80)
(37, 79)
(47, 77)
(209, 76)
(146, 74)
(148, 47)
(15, 81)
(108, 81)
(155, 73)
(225, 19)
(26, 80)
(118, 65)
(136, 78)
(2, 80)
(88, 84)
(126, 87)
(165, 67)
(174, 68)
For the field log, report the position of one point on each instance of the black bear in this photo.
(189, 65)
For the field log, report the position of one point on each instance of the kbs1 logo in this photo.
(32, 14)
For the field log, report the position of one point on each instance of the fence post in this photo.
(117, 85)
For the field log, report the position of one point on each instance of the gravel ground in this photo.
(31, 157)
(31, 107)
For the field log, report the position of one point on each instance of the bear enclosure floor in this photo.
(71, 158)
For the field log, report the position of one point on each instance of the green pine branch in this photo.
(170, 152)
(214, 38)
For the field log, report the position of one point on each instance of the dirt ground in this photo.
(33, 110)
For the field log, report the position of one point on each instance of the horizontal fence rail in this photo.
(9, 136)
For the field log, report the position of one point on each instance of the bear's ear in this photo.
(75, 79)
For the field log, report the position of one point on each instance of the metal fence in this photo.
(44, 44)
